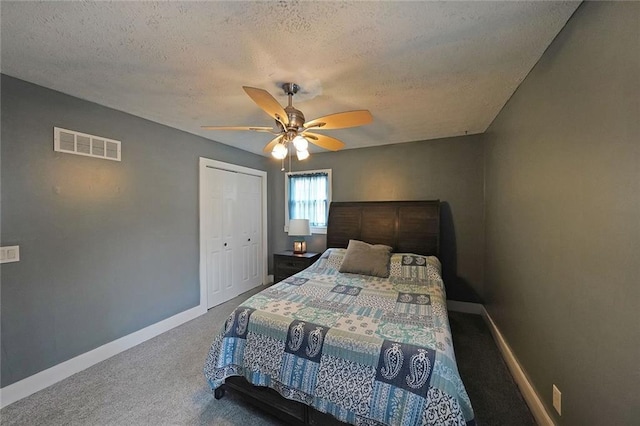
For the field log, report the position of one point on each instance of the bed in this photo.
(341, 343)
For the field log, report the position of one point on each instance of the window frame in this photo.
(314, 229)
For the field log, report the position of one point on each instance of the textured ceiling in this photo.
(424, 69)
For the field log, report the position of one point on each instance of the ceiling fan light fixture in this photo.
(302, 155)
(291, 127)
(300, 143)
(279, 151)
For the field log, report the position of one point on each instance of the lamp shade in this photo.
(299, 227)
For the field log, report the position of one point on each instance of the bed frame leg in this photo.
(218, 393)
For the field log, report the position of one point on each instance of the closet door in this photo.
(216, 230)
(231, 233)
(249, 230)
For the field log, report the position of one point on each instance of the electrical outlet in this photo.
(557, 399)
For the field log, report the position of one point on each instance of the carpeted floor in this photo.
(160, 382)
(494, 395)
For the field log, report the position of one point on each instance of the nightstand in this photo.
(287, 263)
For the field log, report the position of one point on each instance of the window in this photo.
(307, 196)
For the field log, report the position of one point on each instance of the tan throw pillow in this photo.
(366, 259)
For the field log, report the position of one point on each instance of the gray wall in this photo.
(106, 247)
(110, 247)
(563, 218)
(447, 169)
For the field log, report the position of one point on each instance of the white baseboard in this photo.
(25, 387)
(529, 394)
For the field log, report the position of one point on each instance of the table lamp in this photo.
(299, 228)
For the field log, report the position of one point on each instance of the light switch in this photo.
(9, 254)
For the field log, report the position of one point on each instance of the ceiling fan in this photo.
(291, 127)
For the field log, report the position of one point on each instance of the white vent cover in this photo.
(73, 142)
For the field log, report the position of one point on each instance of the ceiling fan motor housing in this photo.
(296, 118)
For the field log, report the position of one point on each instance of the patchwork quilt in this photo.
(367, 350)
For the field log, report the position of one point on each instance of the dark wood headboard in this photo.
(407, 226)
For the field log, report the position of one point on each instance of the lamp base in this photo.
(299, 247)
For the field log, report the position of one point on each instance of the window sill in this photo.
(314, 230)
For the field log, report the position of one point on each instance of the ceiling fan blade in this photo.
(252, 128)
(268, 103)
(324, 141)
(341, 120)
(269, 147)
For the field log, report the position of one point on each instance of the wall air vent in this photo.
(73, 142)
